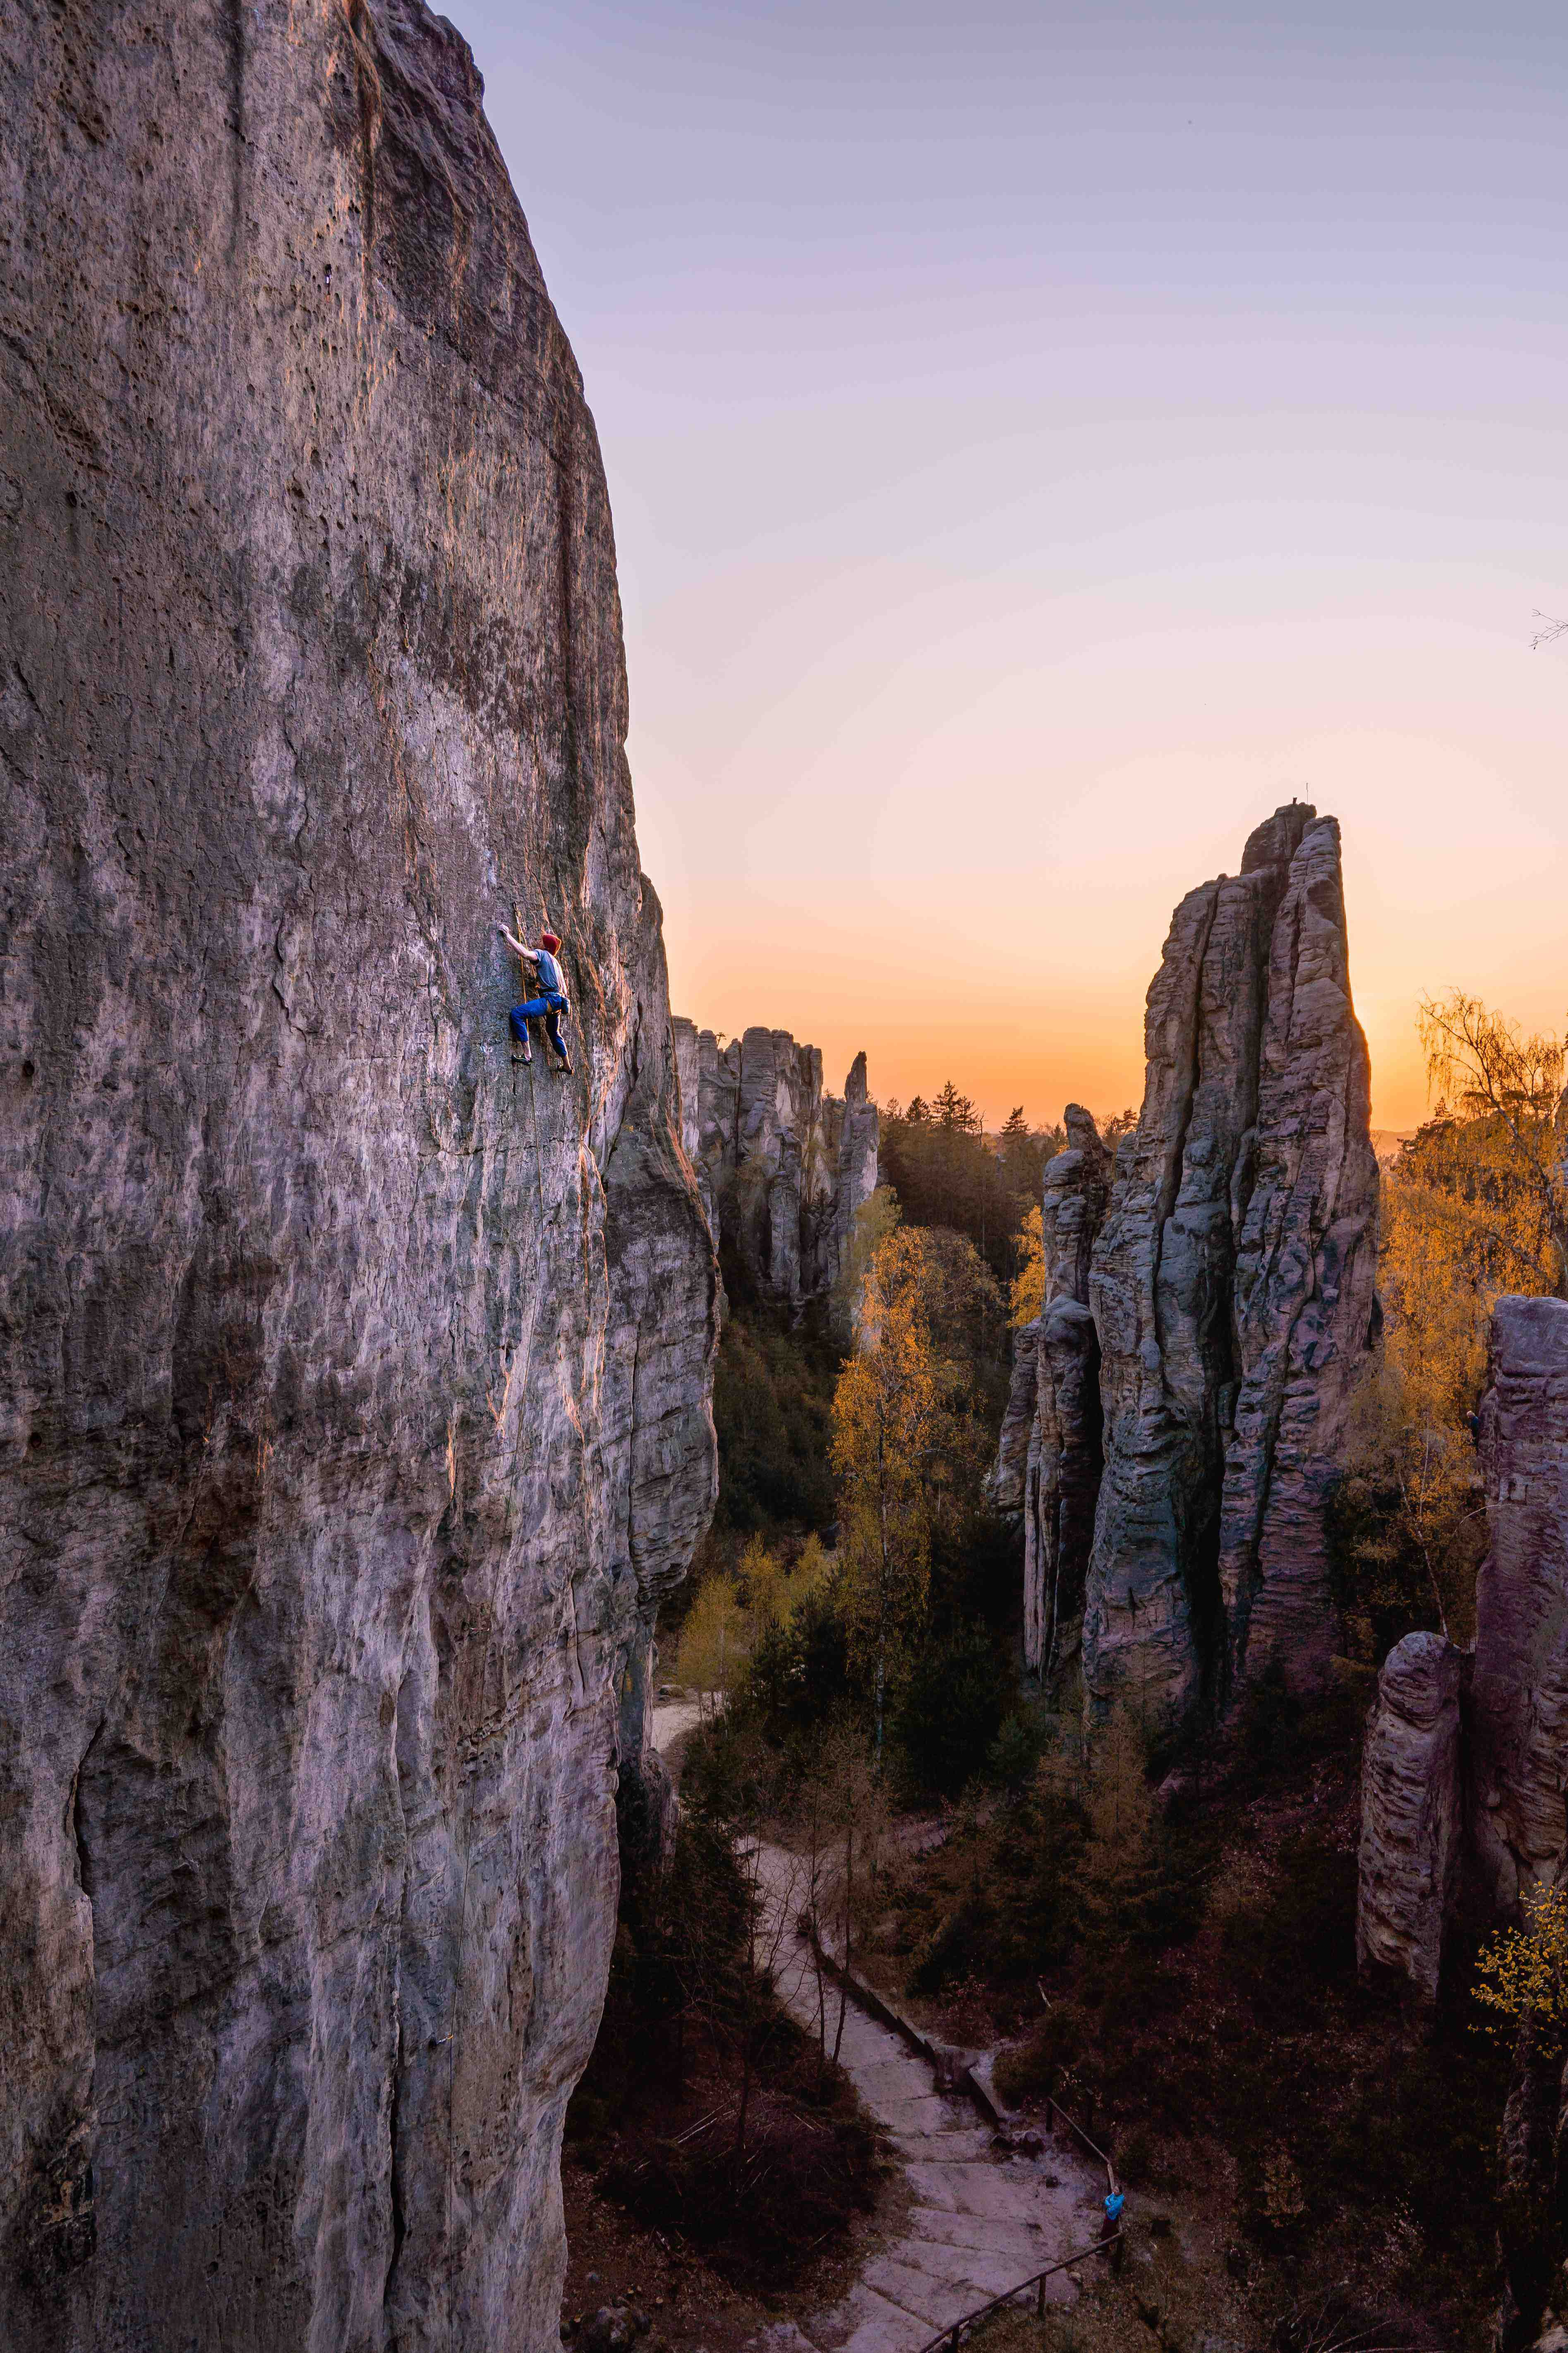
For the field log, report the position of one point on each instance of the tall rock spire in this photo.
(1048, 1464)
(1232, 1290)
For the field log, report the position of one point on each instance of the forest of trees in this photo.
(946, 1171)
(855, 1616)
(882, 1442)
(1476, 1205)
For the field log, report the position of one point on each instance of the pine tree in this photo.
(957, 1112)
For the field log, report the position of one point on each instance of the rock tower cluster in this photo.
(1463, 1780)
(1467, 1754)
(1227, 1305)
(355, 1380)
(781, 1166)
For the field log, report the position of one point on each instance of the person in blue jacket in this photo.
(551, 1001)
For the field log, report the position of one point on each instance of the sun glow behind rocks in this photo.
(1040, 445)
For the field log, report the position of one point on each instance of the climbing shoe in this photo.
(566, 1066)
(526, 1056)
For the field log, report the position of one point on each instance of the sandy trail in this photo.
(981, 2221)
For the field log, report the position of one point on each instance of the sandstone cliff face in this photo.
(1232, 1290)
(1412, 1811)
(1518, 1764)
(1516, 1682)
(1521, 1604)
(355, 1383)
(1049, 1460)
(1501, 1741)
(782, 1167)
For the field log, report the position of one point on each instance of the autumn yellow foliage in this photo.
(1522, 1975)
(715, 1641)
(1473, 1207)
(729, 1614)
(886, 1425)
(1507, 1091)
(875, 1219)
(1028, 1293)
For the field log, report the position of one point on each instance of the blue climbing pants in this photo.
(548, 1008)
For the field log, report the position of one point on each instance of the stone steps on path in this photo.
(981, 2223)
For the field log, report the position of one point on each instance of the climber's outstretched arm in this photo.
(529, 955)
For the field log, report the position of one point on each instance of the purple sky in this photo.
(1040, 440)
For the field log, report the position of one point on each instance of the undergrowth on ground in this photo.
(1183, 1979)
(1162, 2302)
(706, 2112)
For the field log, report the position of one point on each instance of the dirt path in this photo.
(671, 1725)
(980, 2222)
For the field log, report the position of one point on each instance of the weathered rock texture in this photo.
(355, 1382)
(782, 1167)
(1232, 1290)
(1511, 1748)
(1049, 1460)
(1522, 1605)
(1530, 2205)
(1412, 1811)
(1518, 1767)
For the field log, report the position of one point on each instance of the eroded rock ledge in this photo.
(782, 1166)
(355, 1382)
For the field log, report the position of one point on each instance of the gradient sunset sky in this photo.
(1042, 440)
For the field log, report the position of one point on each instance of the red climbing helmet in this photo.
(549, 940)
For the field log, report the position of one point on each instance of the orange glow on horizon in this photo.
(1058, 1018)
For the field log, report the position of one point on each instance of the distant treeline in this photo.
(947, 1171)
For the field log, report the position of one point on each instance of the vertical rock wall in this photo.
(1511, 1752)
(782, 1166)
(1049, 1462)
(1522, 1605)
(1519, 1769)
(1232, 1290)
(1503, 1756)
(1304, 1309)
(355, 1382)
(1412, 1811)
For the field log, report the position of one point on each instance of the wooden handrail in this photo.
(952, 2332)
(870, 2000)
(1054, 2109)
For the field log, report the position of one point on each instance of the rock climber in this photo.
(550, 1003)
